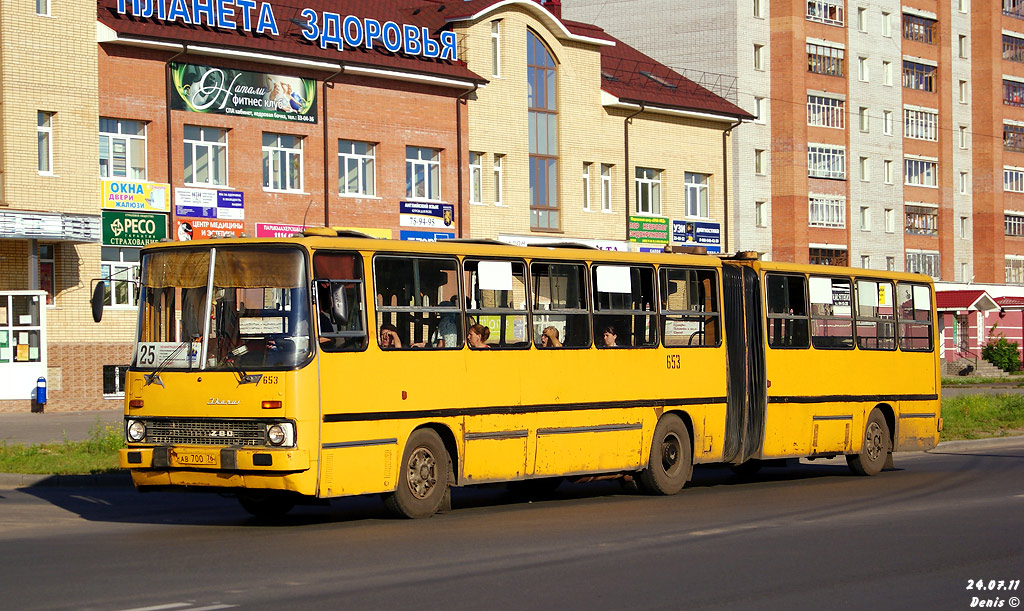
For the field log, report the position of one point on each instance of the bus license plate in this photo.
(194, 458)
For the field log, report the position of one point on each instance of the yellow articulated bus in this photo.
(329, 365)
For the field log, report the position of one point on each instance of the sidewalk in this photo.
(30, 429)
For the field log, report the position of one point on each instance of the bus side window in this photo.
(787, 311)
(915, 316)
(559, 300)
(496, 298)
(624, 306)
(340, 313)
(418, 298)
(876, 326)
(689, 307)
(831, 313)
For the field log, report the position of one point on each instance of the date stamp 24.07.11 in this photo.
(994, 593)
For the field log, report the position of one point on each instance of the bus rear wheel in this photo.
(875, 449)
(423, 477)
(671, 460)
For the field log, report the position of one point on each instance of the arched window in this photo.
(543, 117)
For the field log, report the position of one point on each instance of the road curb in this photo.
(977, 444)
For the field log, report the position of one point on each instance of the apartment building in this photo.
(881, 125)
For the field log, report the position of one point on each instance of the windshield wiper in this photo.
(243, 378)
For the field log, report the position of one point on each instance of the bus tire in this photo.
(671, 460)
(875, 449)
(267, 505)
(422, 478)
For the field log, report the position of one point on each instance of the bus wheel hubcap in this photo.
(670, 451)
(422, 473)
(873, 441)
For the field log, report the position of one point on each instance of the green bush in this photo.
(1002, 353)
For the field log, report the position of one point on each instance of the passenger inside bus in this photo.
(389, 338)
(609, 337)
(477, 336)
(549, 338)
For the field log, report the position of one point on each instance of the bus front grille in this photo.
(206, 432)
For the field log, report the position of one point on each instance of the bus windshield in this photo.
(230, 308)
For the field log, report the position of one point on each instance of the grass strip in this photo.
(972, 381)
(982, 415)
(97, 454)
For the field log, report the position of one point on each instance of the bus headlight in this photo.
(281, 434)
(136, 431)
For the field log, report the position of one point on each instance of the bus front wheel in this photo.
(671, 460)
(423, 477)
(875, 448)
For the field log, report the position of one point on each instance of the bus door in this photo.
(747, 393)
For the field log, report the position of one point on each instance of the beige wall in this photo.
(588, 133)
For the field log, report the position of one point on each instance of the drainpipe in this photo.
(327, 156)
(725, 185)
(625, 145)
(167, 118)
(458, 148)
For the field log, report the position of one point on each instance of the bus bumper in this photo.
(214, 459)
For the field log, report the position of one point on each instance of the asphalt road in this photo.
(807, 537)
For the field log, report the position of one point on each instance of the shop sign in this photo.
(425, 236)
(277, 230)
(133, 228)
(201, 229)
(209, 204)
(326, 29)
(131, 195)
(700, 233)
(648, 229)
(426, 214)
(242, 93)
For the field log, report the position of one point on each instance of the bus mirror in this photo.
(339, 307)
(97, 300)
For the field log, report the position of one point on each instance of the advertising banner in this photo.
(133, 228)
(648, 229)
(426, 236)
(426, 214)
(129, 195)
(209, 204)
(699, 233)
(277, 230)
(200, 229)
(241, 93)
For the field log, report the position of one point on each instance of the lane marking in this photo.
(160, 607)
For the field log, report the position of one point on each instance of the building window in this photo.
(964, 273)
(825, 60)
(887, 171)
(865, 169)
(890, 220)
(964, 182)
(759, 8)
(44, 139)
(586, 187)
(924, 263)
(499, 182)
(758, 57)
(282, 162)
(1013, 48)
(962, 136)
(918, 76)
(648, 191)
(961, 5)
(964, 232)
(206, 156)
(865, 218)
(962, 46)
(759, 110)
(606, 188)
(760, 161)
(886, 24)
(1013, 8)
(122, 149)
(826, 112)
(865, 119)
(862, 19)
(47, 267)
(113, 380)
(43, 8)
(920, 124)
(963, 92)
(865, 261)
(697, 195)
(887, 73)
(862, 69)
(1013, 180)
(1015, 265)
(760, 214)
(119, 270)
(887, 122)
(826, 211)
(826, 11)
(476, 178)
(921, 220)
(422, 173)
(918, 29)
(356, 174)
(828, 256)
(890, 264)
(920, 172)
(1013, 93)
(1013, 137)
(543, 127)
(496, 48)
(825, 161)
